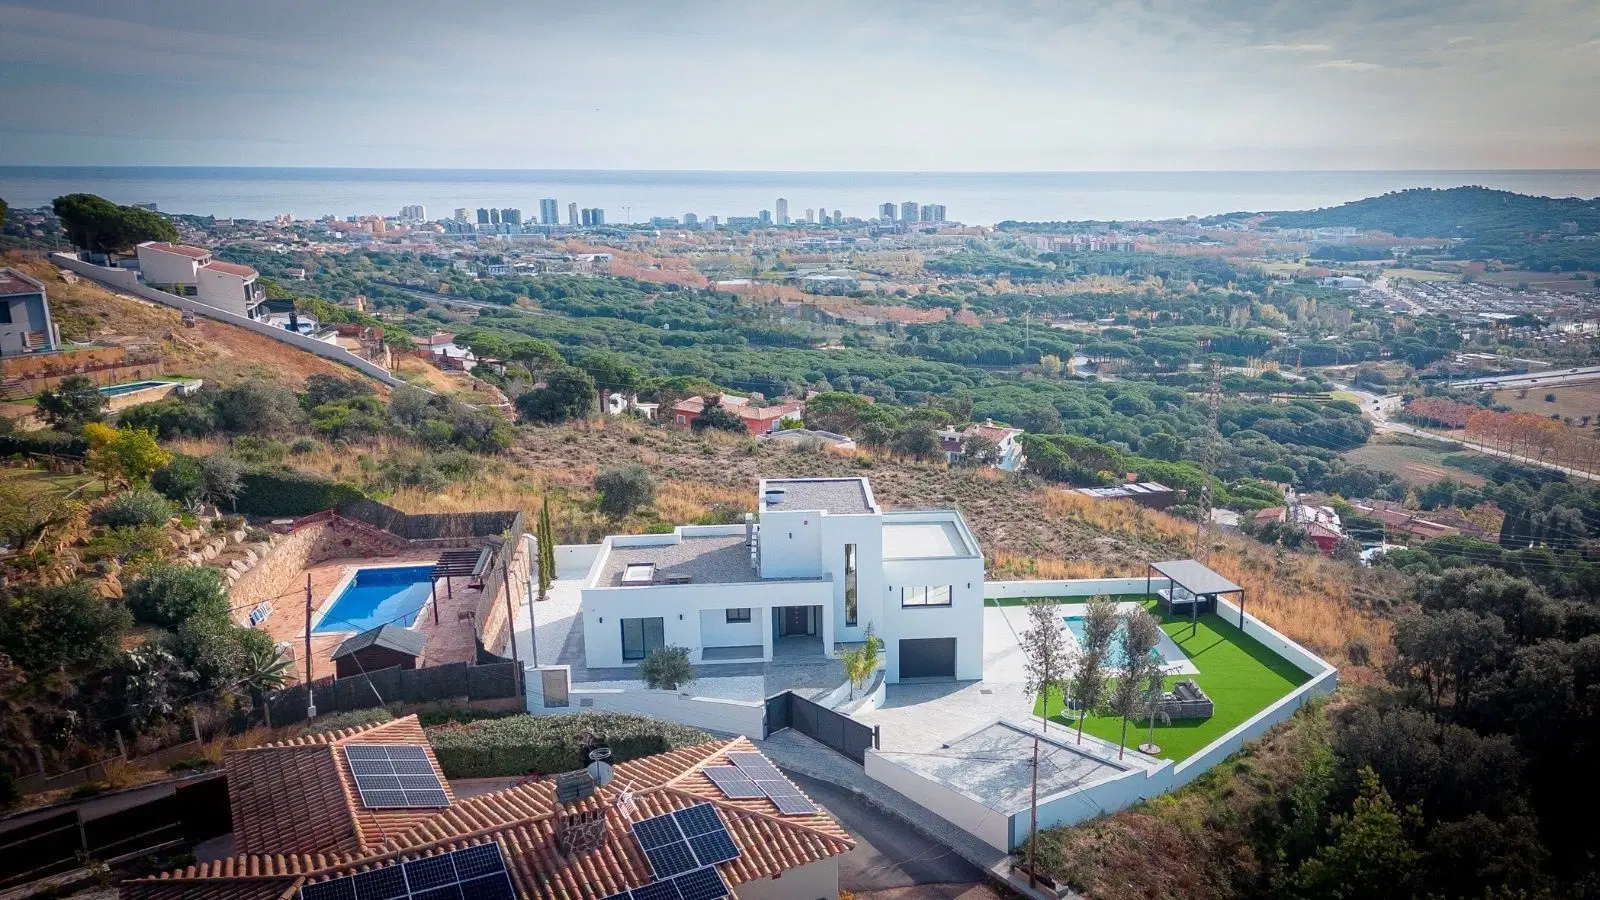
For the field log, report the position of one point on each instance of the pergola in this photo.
(1193, 586)
(457, 564)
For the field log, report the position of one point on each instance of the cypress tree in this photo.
(547, 554)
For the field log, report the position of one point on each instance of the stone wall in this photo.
(278, 567)
(493, 622)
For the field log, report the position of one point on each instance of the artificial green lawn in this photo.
(1241, 677)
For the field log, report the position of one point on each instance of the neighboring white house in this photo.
(814, 568)
(618, 403)
(1008, 442)
(191, 272)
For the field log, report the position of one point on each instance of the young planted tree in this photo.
(544, 537)
(860, 662)
(1089, 667)
(667, 669)
(1136, 637)
(1048, 656)
(1155, 688)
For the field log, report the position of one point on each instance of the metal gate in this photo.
(836, 731)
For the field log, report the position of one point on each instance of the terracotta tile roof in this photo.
(231, 269)
(180, 249)
(298, 796)
(14, 282)
(522, 821)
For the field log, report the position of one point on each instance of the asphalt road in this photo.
(889, 853)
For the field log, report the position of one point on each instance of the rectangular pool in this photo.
(378, 596)
(117, 390)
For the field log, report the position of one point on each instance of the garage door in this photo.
(927, 658)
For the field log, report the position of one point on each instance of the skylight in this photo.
(639, 573)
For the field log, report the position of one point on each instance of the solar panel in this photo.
(476, 873)
(661, 890)
(794, 806)
(657, 831)
(735, 785)
(698, 819)
(702, 884)
(395, 776)
(713, 848)
(753, 765)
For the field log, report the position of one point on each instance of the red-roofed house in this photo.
(1324, 537)
(299, 820)
(756, 419)
(1007, 440)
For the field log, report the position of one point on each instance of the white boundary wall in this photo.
(991, 826)
(710, 713)
(1081, 587)
(1124, 790)
(128, 280)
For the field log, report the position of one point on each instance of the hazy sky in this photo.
(825, 84)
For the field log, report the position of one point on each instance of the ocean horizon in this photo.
(983, 198)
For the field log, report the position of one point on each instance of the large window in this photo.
(641, 636)
(937, 595)
(738, 614)
(850, 604)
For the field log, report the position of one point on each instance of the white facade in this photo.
(818, 566)
(163, 264)
(230, 288)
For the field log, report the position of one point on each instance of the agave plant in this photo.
(264, 670)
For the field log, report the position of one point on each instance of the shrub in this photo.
(170, 594)
(517, 744)
(624, 489)
(182, 481)
(289, 493)
(43, 629)
(257, 407)
(302, 446)
(169, 418)
(355, 718)
(135, 509)
(667, 668)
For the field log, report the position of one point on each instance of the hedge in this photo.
(269, 492)
(516, 745)
(47, 443)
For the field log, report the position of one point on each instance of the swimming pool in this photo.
(373, 597)
(117, 390)
(1114, 658)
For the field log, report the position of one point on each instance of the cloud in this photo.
(1295, 48)
(1350, 64)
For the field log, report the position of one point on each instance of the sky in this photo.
(877, 85)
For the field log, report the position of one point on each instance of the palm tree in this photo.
(264, 671)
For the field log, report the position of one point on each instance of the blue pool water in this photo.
(378, 596)
(1114, 658)
(118, 390)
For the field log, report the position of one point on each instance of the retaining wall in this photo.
(128, 280)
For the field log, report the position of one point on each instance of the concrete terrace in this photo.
(923, 540)
(716, 559)
(836, 496)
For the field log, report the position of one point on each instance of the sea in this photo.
(981, 198)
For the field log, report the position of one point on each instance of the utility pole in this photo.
(1033, 816)
(311, 701)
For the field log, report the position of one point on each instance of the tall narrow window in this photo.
(850, 585)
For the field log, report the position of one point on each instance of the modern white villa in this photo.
(817, 565)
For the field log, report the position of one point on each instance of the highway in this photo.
(1579, 375)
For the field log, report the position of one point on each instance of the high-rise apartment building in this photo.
(909, 212)
(511, 216)
(838, 217)
(485, 215)
(811, 217)
(765, 217)
(461, 214)
(712, 222)
(549, 212)
(593, 216)
(933, 212)
(783, 211)
(886, 212)
(690, 220)
(572, 214)
(415, 212)
(494, 216)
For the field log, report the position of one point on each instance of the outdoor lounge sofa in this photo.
(1187, 701)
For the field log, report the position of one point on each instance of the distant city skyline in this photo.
(1118, 85)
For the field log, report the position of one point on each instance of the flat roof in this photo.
(719, 559)
(994, 766)
(923, 540)
(1195, 577)
(837, 496)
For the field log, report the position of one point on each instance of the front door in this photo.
(794, 620)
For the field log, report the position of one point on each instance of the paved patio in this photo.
(797, 665)
(452, 640)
